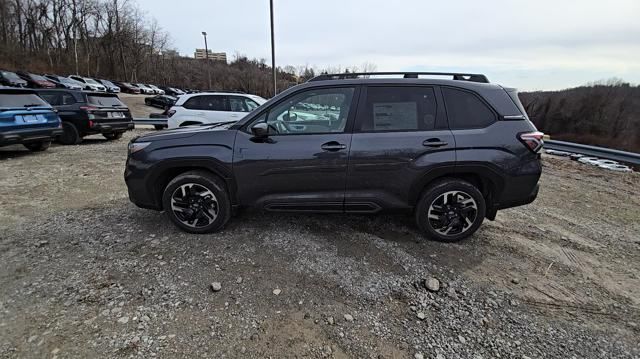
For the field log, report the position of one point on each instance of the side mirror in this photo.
(260, 130)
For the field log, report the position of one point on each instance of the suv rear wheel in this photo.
(70, 136)
(197, 201)
(450, 210)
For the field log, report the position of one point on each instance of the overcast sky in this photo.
(529, 44)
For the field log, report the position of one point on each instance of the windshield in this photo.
(38, 77)
(21, 100)
(69, 81)
(10, 75)
(92, 81)
(108, 83)
(111, 101)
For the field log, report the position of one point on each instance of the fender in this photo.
(162, 172)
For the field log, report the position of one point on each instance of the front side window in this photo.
(389, 108)
(313, 111)
(466, 110)
(206, 103)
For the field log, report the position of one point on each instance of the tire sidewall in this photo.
(436, 190)
(213, 184)
(71, 136)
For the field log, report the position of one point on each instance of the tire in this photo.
(70, 136)
(111, 136)
(436, 216)
(197, 217)
(37, 146)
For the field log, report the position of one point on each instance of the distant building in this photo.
(171, 53)
(216, 56)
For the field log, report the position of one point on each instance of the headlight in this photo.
(137, 146)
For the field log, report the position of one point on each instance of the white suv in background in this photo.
(211, 107)
(89, 83)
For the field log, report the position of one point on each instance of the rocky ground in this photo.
(87, 274)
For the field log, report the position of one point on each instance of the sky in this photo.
(528, 44)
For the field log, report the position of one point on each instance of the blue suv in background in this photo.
(27, 119)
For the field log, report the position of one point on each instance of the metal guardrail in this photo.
(601, 152)
(150, 121)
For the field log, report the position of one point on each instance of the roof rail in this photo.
(407, 75)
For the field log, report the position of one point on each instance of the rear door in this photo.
(208, 108)
(400, 140)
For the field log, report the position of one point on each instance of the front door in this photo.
(302, 165)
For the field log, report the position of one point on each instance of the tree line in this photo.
(113, 39)
(605, 113)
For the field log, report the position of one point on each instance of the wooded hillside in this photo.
(603, 114)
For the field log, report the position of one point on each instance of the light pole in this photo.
(206, 58)
(273, 51)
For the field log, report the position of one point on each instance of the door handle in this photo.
(434, 142)
(333, 146)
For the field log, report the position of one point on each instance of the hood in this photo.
(181, 132)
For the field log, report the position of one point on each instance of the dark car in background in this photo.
(64, 82)
(26, 119)
(452, 152)
(89, 113)
(9, 78)
(172, 91)
(111, 87)
(128, 87)
(160, 101)
(36, 81)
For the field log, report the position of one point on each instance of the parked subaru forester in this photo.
(27, 119)
(450, 151)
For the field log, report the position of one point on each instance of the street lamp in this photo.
(206, 57)
(273, 51)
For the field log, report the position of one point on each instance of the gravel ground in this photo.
(85, 273)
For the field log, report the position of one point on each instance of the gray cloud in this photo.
(529, 44)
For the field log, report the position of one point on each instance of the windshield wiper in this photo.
(32, 105)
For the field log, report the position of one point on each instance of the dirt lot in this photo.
(87, 274)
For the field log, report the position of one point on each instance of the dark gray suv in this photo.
(450, 151)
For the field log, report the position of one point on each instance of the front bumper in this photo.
(29, 135)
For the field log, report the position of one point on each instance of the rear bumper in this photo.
(29, 135)
(521, 187)
(106, 127)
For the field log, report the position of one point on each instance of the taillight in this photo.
(533, 140)
(171, 113)
(88, 108)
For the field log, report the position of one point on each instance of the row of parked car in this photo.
(36, 117)
(76, 82)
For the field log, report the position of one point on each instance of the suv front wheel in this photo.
(197, 201)
(450, 210)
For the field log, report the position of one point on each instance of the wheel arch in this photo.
(167, 170)
(487, 180)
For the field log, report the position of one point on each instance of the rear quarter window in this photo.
(466, 110)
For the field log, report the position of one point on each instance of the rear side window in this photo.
(466, 110)
(399, 109)
(112, 101)
(52, 98)
(21, 100)
(207, 103)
